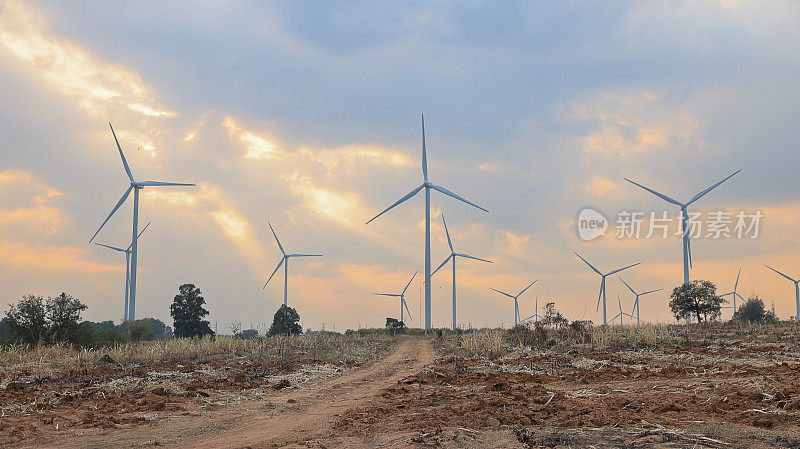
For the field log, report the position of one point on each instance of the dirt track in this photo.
(295, 418)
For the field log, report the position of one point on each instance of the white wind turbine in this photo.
(127, 252)
(516, 303)
(285, 262)
(402, 298)
(602, 294)
(621, 313)
(535, 312)
(796, 289)
(136, 186)
(636, 302)
(687, 245)
(427, 186)
(453, 255)
(734, 294)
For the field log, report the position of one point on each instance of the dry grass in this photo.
(46, 360)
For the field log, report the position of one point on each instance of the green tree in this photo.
(64, 317)
(552, 317)
(285, 322)
(395, 326)
(187, 313)
(698, 298)
(754, 311)
(27, 320)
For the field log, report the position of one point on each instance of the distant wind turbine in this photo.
(402, 298)
(427, 186)
(535, 311)
(734, 294)
(602, 294)
(687, 244)
(516, 303)
(796, 289)
(636, 302)
(285, 262)
(135, 186)
(621, 313)
(127, 266)
(453, 255)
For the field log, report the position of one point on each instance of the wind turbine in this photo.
(687, 245)
(402, 298)
(796, 289)
(734, 293)
(636, 302)
(621, 313)
(427, 186)
(536, 312)
(516, 303)
(285, 262)
(127, 266)
(453, 255)
(603, 285)
(136, 186)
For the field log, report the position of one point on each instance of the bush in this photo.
(753, 311)
(395, 326)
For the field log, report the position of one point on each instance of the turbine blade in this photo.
(124, 162)
(701, 194)
(662, 196)
(110, 247)
(408, 311)
(410, 281)
(273, 273)
(623, 268)
(159, 183)
(119, 203)
(449, 193)
(276, 238)
(726, 294)
(600, 295)
(303, 255)
(689, 251)
(472, 257)
(526, 288)
(626, 284)
(409, 195)
(787, 277)
(502, 293)
(736, 285)
(387, 294)
(424, 152)
(449, 242)
(587, 263)
(140, 234)
(526, 319)
(442, 264)
(651, 291)
(635, 304)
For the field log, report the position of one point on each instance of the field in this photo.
(654, 386)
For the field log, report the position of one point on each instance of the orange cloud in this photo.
(601, 186)
(48, 257)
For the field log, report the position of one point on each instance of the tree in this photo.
(235, 328)
(187, 313)
(64, 317)
(395, 326)
(698, 298)
(552, 317)
(27, 320)
(142, 330)
(753, 311)
(248, 334)
(285, 322)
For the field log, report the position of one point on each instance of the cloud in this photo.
(50, 258)
(258, 146)
(515, 241)
(601, 186)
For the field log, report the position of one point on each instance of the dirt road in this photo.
(295, 418)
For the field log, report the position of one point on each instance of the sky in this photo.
(308, 115)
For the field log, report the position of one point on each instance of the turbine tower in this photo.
(285, 262)
(127, 266)
(636, 302)
(687, 245)
(453, 255)
(516, 303)
(734, 293)
(427, 186)
(603, 285)
(796, 289)
(402, 298)
(136, 186)
(536, 312)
